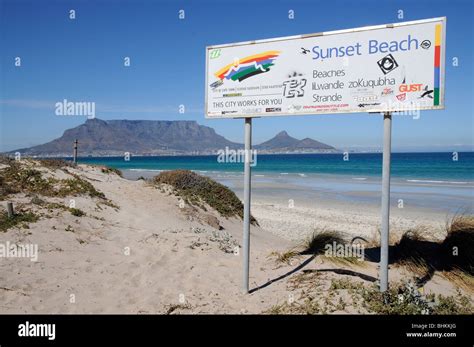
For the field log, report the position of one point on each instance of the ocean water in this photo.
(431, 181)
(410, 167)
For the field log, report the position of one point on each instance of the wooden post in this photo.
(75, 152)
(10, 211)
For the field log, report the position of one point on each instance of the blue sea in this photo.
(434, 167)
(432, 181)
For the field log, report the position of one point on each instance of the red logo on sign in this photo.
(387, 91)
(402, 97)
(410, 87)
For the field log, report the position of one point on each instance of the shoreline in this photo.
(293, 207)
(135, 173)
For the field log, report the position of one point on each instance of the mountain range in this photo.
(98, 137)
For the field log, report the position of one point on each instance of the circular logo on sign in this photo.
(426, 44)
(387, 64)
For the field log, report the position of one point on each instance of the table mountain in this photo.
(155, 137)
(144, 137)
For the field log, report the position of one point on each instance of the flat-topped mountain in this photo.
(144, 137)
(98, 137)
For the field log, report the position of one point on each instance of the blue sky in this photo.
(82, 60)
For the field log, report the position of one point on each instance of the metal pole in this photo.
(384, 237)
(75, 152)
(247, 176)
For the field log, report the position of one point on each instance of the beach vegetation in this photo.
(406, 299)
(78, 186)
(20, 218)
(453, 258)
(400, 299)
(224, 241)
(76, 212)
(330, 244)
(460, 278)
(344, 283)
(413, 251)
(317, 242)
(286, 257)
(111, 170)
(35, 200)
(54, 205)
(170, 309)
(15, 179)
(197, 190)
(24, 178)
(458, 246)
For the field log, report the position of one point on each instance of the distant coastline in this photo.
(197, 154)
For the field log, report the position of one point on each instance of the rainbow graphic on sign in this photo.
(437, 58)
(247, 67)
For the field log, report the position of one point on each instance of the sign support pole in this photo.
(385, 230)
(247, 181)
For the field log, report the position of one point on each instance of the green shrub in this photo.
(76, 212)
(111, 170)
(194, 189)
(78, 186)
(19, 218)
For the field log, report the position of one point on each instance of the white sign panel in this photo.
(395, 67)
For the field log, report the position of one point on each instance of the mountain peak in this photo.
(283, 142)
(282, 134)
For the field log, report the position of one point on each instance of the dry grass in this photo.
(458, 246)
(177, 308)
(413, 251)
(197, 190)
(343, 295)
(20, 218)
(287, 256)
(374, 241)
(453, 258)
(111, 170)
(316, 245)
(317, 242)
(23, 177)
(460, 278)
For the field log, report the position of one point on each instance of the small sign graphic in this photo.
(402, 97)
(215, 53)
(425, 44)
(387, 64)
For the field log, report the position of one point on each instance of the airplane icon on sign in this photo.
(427, 93)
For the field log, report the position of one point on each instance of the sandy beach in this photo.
(294, 206)
(139, 249)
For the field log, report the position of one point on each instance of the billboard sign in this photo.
(385, 68)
